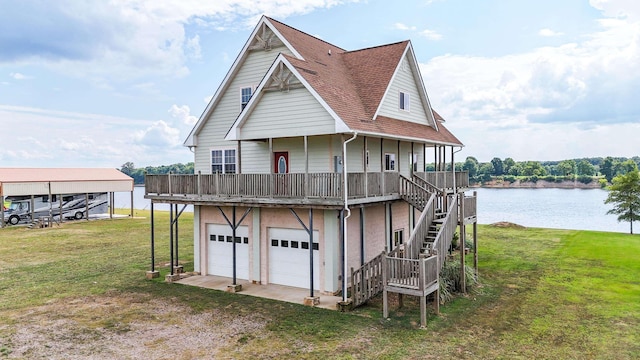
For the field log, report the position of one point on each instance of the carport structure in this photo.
(62, 181)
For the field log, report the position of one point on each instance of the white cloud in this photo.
(76, 139)
(549, 33)
(403, 27)
(430, 34)
(19, 76)
(183, 113)
(159, 135)
(548, 100)
(121, 40)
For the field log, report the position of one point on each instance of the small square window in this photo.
(245, 240)
(284, 243)
(275, 242)
(294, 244)
(229, 239)
(315, 246)
(238, 240)
(212, 237)
(220, 238)
(305, 245)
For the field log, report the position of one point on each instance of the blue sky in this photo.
(97, 84)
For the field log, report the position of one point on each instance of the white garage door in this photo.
(221, 251)
(289, 258)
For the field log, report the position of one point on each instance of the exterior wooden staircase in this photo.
(414, 267)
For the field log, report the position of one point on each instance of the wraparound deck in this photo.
(294, 189)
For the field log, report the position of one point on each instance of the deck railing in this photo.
(470, 204)
(292, 185)
(415, 274)
(366, 282)
(445, 179)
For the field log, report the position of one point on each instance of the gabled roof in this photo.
(350, 84)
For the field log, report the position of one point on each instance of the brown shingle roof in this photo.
(353, 83)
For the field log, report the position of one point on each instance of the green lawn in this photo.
(545, 294)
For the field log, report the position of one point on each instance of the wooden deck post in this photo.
(385, 295)
(475, 239)
(462, 245)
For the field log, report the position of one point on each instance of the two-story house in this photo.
(310, 161)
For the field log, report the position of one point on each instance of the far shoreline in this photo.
(540, 184)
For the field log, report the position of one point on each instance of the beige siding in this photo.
(355, 154)
(255, 157)
(287, 113)
(215, 129)
(320, 154)
(373, 145)
(404, 81)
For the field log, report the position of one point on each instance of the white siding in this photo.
(404, 81)
(215, 129)
(287, 113)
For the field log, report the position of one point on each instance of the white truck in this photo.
(19, 208)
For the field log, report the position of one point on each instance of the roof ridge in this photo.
(305, 33)
(376, 47)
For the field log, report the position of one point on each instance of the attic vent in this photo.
(329, 52)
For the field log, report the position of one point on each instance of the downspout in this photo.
(344, 223)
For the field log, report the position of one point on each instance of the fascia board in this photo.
(425, 96)
(406, 138)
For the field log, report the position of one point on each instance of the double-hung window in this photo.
(405, 101)
(223, 161)
(245, 95)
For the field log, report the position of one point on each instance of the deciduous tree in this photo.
(624, 194)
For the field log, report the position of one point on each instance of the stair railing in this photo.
(448, 228)
(414, 244)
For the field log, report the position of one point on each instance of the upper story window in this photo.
(223, 161)
(245, 95)
(405, 101)
(389, 162)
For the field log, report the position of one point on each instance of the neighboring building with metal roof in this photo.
(62, 181)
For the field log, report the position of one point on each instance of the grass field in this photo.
(79, 291)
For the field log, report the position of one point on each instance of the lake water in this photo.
(578, 209)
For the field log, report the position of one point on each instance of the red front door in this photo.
(281, 162)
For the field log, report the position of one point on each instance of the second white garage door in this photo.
(221, 251)
(289, 258)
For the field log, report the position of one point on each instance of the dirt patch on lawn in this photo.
(125, 327)
(506, 224)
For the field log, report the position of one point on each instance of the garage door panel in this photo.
(221, 251)
(289, 258)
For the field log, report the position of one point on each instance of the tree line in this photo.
(584, 170)
(138, 173)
